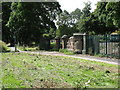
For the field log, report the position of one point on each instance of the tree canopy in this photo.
(114, 14)
(84, 22)
(30, 20)
(67, 22)
(6, 34)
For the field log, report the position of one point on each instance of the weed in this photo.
(67, 52)
(3, 47)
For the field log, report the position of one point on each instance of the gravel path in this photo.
(86, 57)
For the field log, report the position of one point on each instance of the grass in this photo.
(67, 52)
(28, 48)
(108, 56)
(3, 47)
(23, 70)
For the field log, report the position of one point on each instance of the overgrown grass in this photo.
(22, 70)
(108, 56)
(3, 47)
(53, 46)
(22, 48)
(67, 52)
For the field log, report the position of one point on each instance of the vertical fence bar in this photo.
(119, 48)
(1, 72)
(106, 43)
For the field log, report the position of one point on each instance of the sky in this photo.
(71, 5)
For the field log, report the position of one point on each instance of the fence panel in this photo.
(104, 44)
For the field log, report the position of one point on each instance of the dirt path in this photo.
(86, 57)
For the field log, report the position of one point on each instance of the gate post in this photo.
(78, 42)
(64, 41)
(84, 43)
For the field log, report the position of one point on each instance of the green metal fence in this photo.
(107, 45)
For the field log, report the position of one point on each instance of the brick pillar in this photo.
(64, 41)
(84, 44)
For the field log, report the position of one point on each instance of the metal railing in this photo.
(106, 45)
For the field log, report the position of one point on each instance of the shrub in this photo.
(52, 45)
(67, 52)
(3, 47)
(23, 48)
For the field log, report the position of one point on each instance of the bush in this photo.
(22, 48)
(67, 52)
(31, 49)
(52, 45)
(3, 47)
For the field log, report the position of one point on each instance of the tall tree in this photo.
(75, 17)
(103, 16)
(113, 17)
(29, 20)
(64, 24)
(84, 22)
(6, 34)
(67, 22)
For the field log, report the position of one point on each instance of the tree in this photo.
(6, 34)
(75, 17)
(67, 22)
(84, 23)
(29, 20)
(113, 17)
(98, 22)
(103, 16)
(64, 24)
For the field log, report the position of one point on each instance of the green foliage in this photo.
(3, 47)
(85, 24)
(86, 10)
(114, 12)
(52, 33)
(58, 33)
(104, 17)
(6, 37)
(11, 81)
(67, 52)
(27, 48)
(29, 20)
(45, 35)
(67, 22)
(90, 51)
(63, 24)
(64, 30)
(98, 22)
(75, 15)
(117, 31)
(53, 46)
